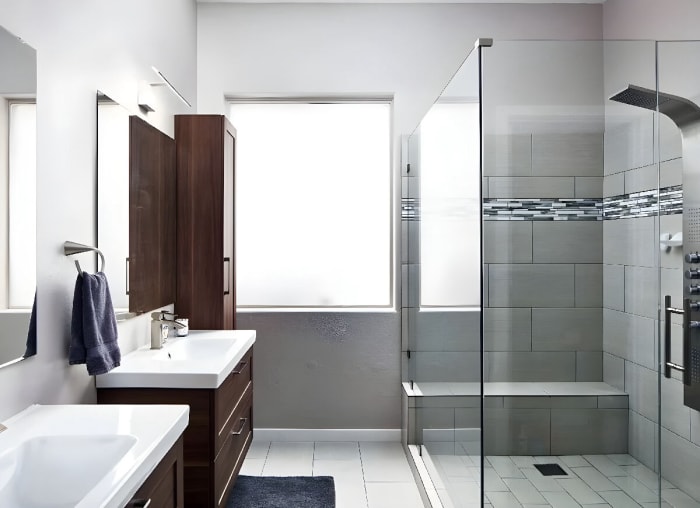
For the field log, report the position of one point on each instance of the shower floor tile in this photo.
(593, 481)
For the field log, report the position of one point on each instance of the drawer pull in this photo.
(240, 430)
(139, 503)
(239, 368)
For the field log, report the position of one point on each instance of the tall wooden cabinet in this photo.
(206, 149)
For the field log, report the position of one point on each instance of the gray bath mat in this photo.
(282, 492)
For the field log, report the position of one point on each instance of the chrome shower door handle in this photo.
(687, 324)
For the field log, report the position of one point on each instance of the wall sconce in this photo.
(146, 99)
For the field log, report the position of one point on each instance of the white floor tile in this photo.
(464, 494)
(493, 482)
(560, 500)
(523, 460)
(678, 499)
(258, 449)
(384, 462)
(503, 500)
(289, 459)
(618, 499)
(541, 482)
(581, 492)
(349, 482)
(648, 477)
(337, 450)
(452, 466)
(594, 478)
(606, 466)
(252, 467)
(635, 489)
(623, 459)
(393, 495)
(524, 491)
(505, 467)
(574, 460)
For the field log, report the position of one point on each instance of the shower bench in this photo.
(520, 418)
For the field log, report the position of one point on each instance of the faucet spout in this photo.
(161, 322)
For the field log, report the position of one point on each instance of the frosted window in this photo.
(22, 205)
(450, 249)
(313, 204)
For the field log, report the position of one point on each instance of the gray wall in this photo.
(82, 47)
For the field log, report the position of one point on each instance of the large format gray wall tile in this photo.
(613, 185)
(589, 285)
(507, 154)
(567, 242)
(511, 431)
(630, 242)
(451, 366)
(628, 145)
(614, 287)
(589, 187)
(530, 366)
(445, 331)
(614, 370)
(630, 337)
(641, 384)
(641, 291)
(536, 285)
(576, 154)
(679, 462)
(567, 329)
(675, 415)
(507, 329)
(641, 179)
(584, 431)
(589, 366)
(672, 173)
(507, 241)
(531, 187)
(642, 439)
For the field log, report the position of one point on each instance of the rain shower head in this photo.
(682, 111)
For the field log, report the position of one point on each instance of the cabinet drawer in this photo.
(230, 458)
(228, 396)
(164, 487)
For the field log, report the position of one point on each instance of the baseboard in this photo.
(327, 434)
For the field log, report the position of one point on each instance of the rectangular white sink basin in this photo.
(203, 359)
(58, 471)
(84, 456)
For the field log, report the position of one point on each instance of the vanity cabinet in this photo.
(206, 148)
(164, 486)
(219, 433)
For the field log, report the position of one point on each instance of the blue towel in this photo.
(93, 325)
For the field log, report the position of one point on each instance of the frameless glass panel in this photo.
(679, 230)
(442, 290)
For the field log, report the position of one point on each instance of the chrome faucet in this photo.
(161, 321)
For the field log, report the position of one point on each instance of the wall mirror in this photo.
(135, 209)
(17, 198)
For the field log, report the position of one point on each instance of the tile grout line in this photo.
(364, 479)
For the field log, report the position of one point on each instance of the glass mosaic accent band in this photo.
(644, 204)
(636, 204)
(590, 209)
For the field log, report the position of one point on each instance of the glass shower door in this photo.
(442, 289)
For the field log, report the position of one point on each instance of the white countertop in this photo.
(155, 427)
(152, 368)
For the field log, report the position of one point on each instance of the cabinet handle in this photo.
(139, 503)
(227, 261)
(239, 368)
(240, 430)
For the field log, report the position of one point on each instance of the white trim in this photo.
(393, 435)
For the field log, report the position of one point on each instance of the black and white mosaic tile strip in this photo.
(644, 204)
(543, 209)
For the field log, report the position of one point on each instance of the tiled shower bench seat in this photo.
(520, 418)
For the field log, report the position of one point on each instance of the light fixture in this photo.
(169, 85)
(146, 99)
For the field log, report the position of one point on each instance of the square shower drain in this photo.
(550, 469)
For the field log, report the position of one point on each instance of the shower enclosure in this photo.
(549, 316)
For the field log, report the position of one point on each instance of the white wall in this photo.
(82, 47)
(348, 376)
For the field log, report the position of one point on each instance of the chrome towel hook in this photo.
(71, 248)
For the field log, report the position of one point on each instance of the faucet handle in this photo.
(161, 315)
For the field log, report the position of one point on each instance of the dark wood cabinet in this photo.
(206, 148)
(164, 486)
(152, 220)
(219, 433)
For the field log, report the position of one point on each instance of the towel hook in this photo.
(71, 248)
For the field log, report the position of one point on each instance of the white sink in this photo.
(195, 350)
(84, 456)
(201, 360)
(58, 471)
